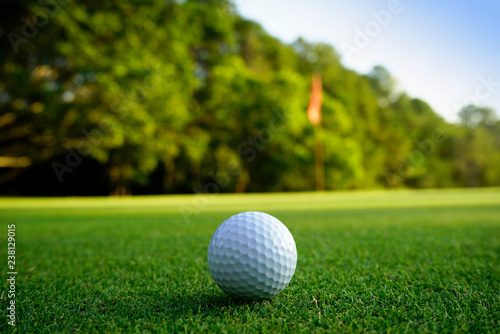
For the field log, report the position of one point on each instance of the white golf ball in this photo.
(252, 255)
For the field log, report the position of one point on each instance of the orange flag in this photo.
(314, 110)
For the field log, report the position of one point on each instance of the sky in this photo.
(445, 52)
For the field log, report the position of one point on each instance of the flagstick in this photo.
(319, 157)
(314, 115)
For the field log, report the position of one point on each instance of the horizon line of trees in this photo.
(180, 97)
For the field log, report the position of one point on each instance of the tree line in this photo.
(180, 97)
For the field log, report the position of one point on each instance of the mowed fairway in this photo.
(368, 262)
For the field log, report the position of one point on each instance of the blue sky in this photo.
(445, 52)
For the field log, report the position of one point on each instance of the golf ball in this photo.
(252, 255)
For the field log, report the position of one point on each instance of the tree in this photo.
(187, 96)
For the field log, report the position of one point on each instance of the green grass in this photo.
(401, 261)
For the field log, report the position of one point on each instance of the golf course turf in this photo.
(375, 261)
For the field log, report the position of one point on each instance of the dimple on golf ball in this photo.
(252, 255)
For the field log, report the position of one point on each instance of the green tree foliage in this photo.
(477, 147)
(188, 96)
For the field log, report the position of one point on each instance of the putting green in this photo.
(368, 261)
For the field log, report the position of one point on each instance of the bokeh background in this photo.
(151, 97)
